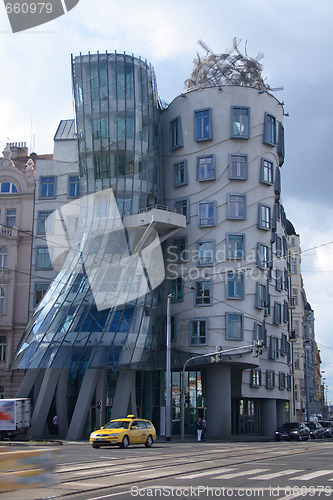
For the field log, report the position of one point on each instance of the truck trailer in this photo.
(15, 417)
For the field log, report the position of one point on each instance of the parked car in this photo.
(328, 427)
(317, 431)
(123, 432)
(292, 430)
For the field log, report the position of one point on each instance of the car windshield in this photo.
(117, 424)
(311, 425)
(289, 425)
(325, 424)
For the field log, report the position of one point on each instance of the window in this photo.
(266, 172)
(270, 130)
(264, 217)
(176, 136)
(235, 285)
(235, 246)
(277, 313)
(3, 257)
(2, 301)
(182, 207)
(179, 249)
(207, 213)
(47, 187)
(100, 128)
(255, 378)
(73, 186)
(40, 291)
(124, 127)
(278, 279)
(43, 260)
(270, 379)
(293, 265)
(263, 256)
(284, 345)
(261, 296)
(282, 380)
(236, 206)
(240, 122)
(176, 285)
(198, 331)
(259, 332)
(11, 217)
(206, 168)
(203, 293)
(102, 166)
(8, 187)
(206, 253)
(180, 173)
(285, 312)
(203, 125)
(274, 347)
(238, 167)
(3, 341)
(280, 145)
(234, 326)
(278, 242)
(294, 296)
(44, 224)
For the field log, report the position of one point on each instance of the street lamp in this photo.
(168, 373)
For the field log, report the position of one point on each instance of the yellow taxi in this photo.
(123, 432)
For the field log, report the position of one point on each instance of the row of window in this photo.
(236, 210)
(284, 381)
(206, 171)
(235, 289)
(240, 128)
(48, 186)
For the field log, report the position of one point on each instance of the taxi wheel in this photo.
(125, 442)
(96, 446)
(149, 442)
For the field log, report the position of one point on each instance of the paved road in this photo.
(266, 470)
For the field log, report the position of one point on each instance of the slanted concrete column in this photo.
(268, 417)
(218, 401)
(43, 403)
(62, 389)
(124, 397)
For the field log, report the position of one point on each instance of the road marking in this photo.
(240, 473)
(312, 475)
(264, 477)
(206, 473)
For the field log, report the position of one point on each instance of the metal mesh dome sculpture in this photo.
(230, 68)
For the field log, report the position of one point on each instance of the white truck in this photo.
(15, 417)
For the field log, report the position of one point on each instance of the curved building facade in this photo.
(228, 269)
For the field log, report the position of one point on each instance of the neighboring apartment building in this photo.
(213, 157)
(17, 185)
(304, 352)
(57, 183)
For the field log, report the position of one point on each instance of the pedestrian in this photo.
(55, 423)
(204, 429)
(199, 428)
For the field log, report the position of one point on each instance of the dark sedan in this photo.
(328, 427)
(316, 430)
(292, 430)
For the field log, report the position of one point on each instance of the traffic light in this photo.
(257, 348)
(99, 405)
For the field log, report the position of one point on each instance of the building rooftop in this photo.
(65, 131)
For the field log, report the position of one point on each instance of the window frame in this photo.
(177, 182)
(211, 262)
(44, 226)
(266, 172)
(11, 217)
(277, 313)
(48, 178)
(246, 134)
(38, 249)
(261, 295)
(231, 205)
(263, 263)
(175, 133)
(199, 321)
(187, 205)
(236, 242)
(3, 257)
(75, 183)
(228, 316)
(264, 217)
(181, 255)
(179, 283)
(273, 347)
(2, 301)
(206, 177)
(243, 175)
(199, 127)
(36, 284)
(269, 136)
(255, 377)
(235, 278)
(206, 286)
(270, 379)
(212, 218)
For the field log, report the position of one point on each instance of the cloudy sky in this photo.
(296, 39)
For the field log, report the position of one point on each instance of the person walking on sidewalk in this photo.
(199, 429)
(204, 429)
